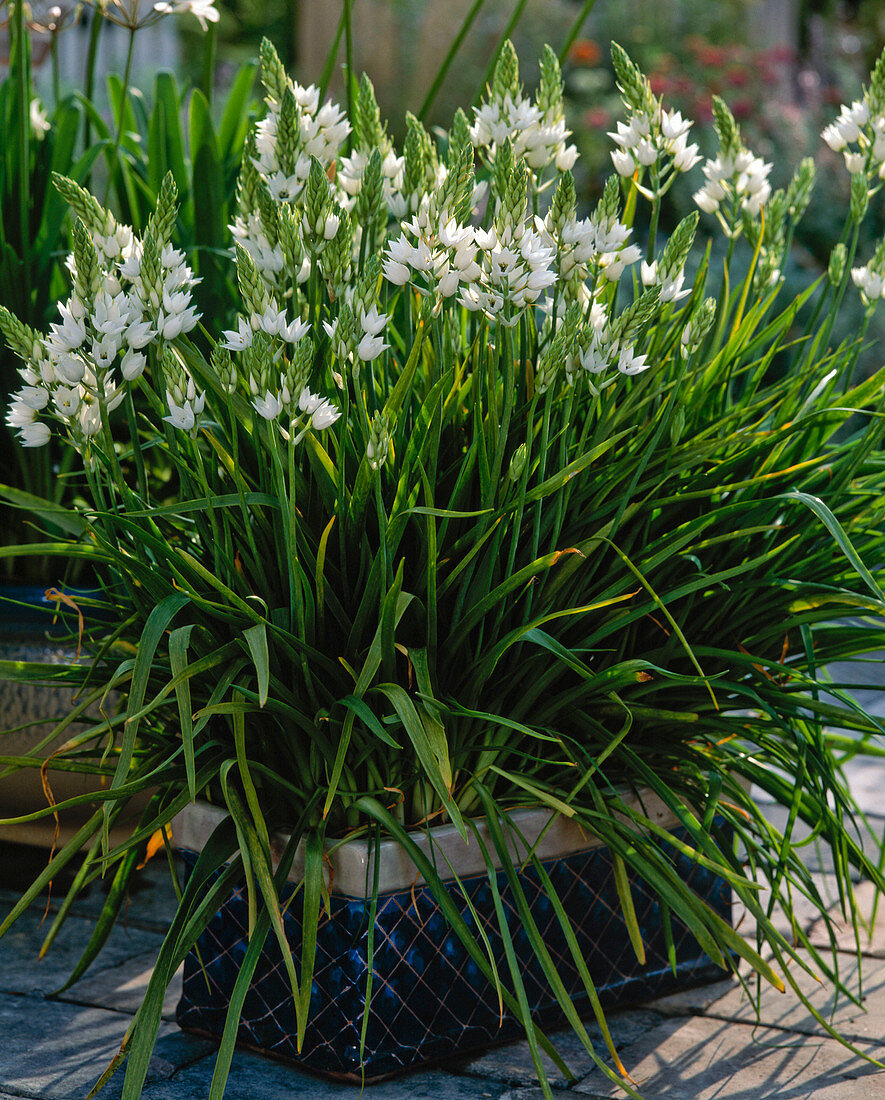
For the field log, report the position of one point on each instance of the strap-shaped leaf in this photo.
(157, 622)
(179, 640)
(432, 755)
(256, 639)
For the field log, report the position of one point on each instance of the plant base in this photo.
(429, 999)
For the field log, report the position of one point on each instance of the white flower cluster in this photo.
(859, 135)
(538, 138)
(738, 177)
(598, 348)
(535, 128)
(163, 297)
(517, 265)
(70, 373)
(366, 347)
(272, 321)
(349, 177)
(318, 132)
(660, 140)
(870, 279)
(127, 294)
(434, 252)
(599, 243)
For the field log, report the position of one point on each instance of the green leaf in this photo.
(71, 523)
(433, 757)
(179, 639)
(256, 639)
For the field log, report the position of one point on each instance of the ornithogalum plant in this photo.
(480, 504)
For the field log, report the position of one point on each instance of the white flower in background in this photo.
(859, 135)
(203, 10)
(40, 123)
(739, 177)
(870, 279)
(270, 260)
(349, 177)
(659, 139)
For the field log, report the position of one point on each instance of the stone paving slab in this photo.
(151, 904)
(57, 1051)
(22, 971)
(122, 988)
(729, 1001)
(718, 1060)
(512, 1062)
(872, 945)
(255, 1078)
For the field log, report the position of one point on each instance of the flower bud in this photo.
(517, 462)
(836, 269)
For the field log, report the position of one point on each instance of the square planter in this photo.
(429, 999)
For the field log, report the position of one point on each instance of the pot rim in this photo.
(348, 864)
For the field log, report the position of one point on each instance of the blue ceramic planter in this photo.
(429, 999)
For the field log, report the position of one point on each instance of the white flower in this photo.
(70, 368)
(184, 415)
(296, 330)
(322, 413)
(20, 414)
(35, 397)
(132, 365)
(240, 339)
(138, 334)
(628, 363)
(70, 334)
(869, 281)
(685, 156)
(90, 418)
(395, 272)
(269, 406)
(673, 125)
(67, 401)
(370, 347)
(834, 137)
(623, 162)
(203, 10)
(34, 435)
(39, 120)
(373, 322)
(706, 201)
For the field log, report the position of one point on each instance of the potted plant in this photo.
(479, 509)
